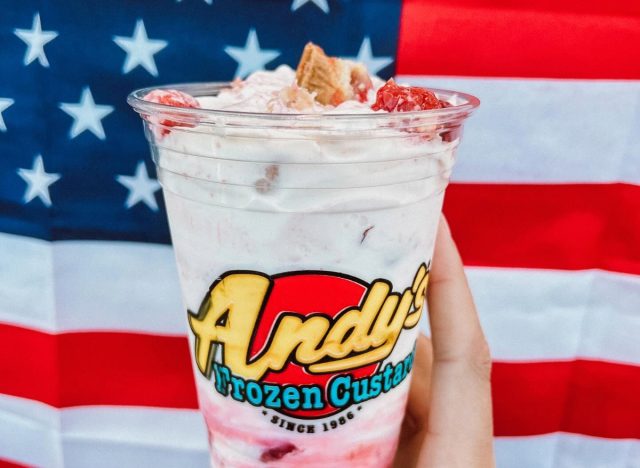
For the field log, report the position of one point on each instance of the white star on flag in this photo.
(87, 115)
(140, 49)
(36, 39)
(38, 181)
(251, 58)
(5, 103)
(322, 4)
(365, 55)
(141, 187)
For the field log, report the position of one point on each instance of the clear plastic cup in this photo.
(303, 245)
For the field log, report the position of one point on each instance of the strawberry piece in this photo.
(172, 97)
(175, 98)
(277, 453)
(394, 98)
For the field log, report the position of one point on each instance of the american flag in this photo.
(545, 206)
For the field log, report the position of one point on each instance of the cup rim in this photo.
(212, 116)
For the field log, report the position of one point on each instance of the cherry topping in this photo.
(175, 98)
(395, 98)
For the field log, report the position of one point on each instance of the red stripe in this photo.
(96, 368)
(9, 464)
(567, 227)
(534, 38)
(587, 397)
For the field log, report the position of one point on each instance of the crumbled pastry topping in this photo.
(333, 80)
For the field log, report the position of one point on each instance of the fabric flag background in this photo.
(545, 206)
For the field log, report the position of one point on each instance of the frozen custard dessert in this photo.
(303, 207)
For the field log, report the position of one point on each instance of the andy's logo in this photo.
(300, 328)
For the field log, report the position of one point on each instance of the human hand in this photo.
(448, 421)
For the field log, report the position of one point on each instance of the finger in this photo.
(414, 425)
(419, 391)
(455, 327)
(460, 429)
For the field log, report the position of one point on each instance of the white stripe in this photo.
(89, 285)
(26, 282)
(527, 314)
(35, 434)
(541, 131)
(29, 433)
(562, 450)
(545, 314)
(540, 315)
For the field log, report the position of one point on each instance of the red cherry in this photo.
(174, 98)
(394, 98)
